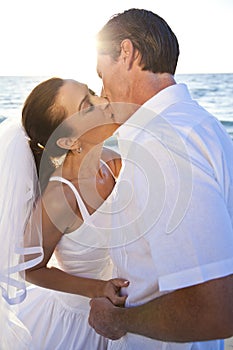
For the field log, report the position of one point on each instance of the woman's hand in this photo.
(112, 288)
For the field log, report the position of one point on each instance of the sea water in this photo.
(213, 91)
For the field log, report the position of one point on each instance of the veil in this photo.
(20, 228)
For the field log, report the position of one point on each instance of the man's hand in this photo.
(196, 313)
(105, 318)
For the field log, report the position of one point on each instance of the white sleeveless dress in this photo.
(57, 320)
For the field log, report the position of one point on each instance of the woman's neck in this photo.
(83, 165)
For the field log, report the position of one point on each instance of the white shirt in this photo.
(173, 204)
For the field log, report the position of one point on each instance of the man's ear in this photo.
(69, 143)
(128, 53)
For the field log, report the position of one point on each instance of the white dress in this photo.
(59, 320)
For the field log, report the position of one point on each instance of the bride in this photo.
(66, 125)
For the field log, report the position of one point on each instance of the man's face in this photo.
(116, 86)
(112, 74)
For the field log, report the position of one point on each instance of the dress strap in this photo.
(110, 170)
(82, 207)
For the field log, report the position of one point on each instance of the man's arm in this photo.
(197, 313)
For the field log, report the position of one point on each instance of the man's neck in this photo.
(148, 85)
(142, 89)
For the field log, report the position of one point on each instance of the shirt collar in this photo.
(154, 106)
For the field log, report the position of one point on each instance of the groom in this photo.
(173, 213)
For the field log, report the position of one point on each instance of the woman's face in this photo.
(89, 116)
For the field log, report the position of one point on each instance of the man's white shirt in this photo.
(172, 206)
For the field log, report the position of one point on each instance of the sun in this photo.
(45, 38)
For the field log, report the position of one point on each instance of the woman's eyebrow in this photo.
(91, 92)
(85, 98)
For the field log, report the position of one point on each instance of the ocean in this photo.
(213, 91)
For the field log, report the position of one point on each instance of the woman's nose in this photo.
(101, 102)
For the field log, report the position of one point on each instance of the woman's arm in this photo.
(57, 217)
(113, 159)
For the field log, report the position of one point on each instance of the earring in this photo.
(79, 150)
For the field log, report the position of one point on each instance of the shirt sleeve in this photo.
(192, 239)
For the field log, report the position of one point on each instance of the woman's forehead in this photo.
(73, 87)
(71, 94)
(71, 84)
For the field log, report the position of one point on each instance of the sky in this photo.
(57, 37)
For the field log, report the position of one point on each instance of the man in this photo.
(173, 212)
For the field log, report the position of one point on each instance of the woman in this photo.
(66, 133)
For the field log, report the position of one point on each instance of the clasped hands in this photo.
(106, 312)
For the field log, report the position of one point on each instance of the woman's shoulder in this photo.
(113, 159)
(59, 201)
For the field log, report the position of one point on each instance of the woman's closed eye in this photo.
(90, 107)
(86, 105)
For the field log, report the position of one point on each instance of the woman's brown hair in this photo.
(41, 116)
